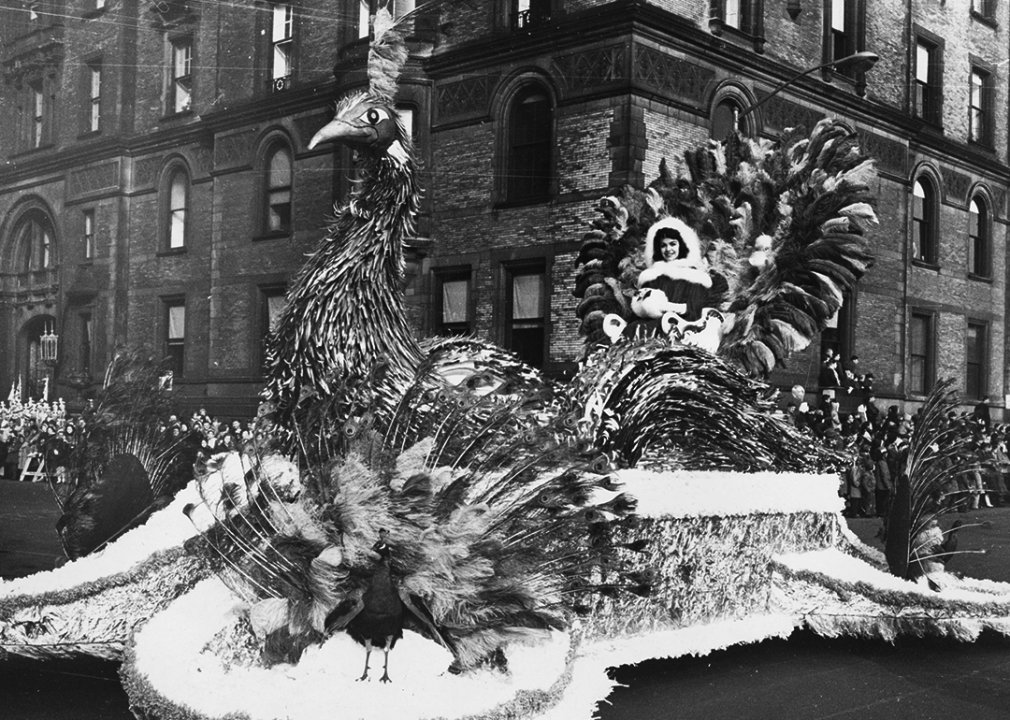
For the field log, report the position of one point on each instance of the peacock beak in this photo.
(343, 132)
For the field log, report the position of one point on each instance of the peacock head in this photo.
(365, 123)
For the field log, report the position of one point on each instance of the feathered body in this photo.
(496, 525)
(345, 308)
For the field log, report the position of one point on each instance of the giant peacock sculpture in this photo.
(345, 311)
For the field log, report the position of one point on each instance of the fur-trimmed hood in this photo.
(690, 265)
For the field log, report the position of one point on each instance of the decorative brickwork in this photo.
(93, 179)
(671, 75)
(145, 172)
(592, 68)
(233, 150)
(465, 98)
(955, 186)
(891, 155)
(780, 114)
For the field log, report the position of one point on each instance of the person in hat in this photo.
(676, 268)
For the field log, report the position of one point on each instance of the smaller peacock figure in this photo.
(470, 521)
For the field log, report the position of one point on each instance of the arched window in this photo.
(924, 231)
(725, 119)
(530, 135)
(176, 209)
(277, 190)
(978, 237)
(35, 247)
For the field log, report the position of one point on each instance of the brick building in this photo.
(157, 188)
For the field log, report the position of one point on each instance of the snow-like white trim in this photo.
(836, 564)
(168, 528)
(168, 652)
(591, 685)
(722, 494)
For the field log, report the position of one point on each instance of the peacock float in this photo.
(433, 529)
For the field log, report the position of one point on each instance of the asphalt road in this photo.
(806, 677)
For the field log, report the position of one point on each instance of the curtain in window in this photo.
(176, 322)
(454, 301)
(527, 297)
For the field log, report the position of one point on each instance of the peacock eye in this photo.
(376, 115)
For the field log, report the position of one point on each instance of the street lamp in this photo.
(860, 62)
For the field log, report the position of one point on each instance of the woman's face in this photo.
(669, 248)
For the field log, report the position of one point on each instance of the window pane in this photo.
(275, 306)
(181, 59)
(454, 301)
(280, 169)
(527, 297)
(279, 210)
(176, 322)
(838, 15)
(733, 13)
(282, 60)
(281, 22)
(922, 63)
(363, 19)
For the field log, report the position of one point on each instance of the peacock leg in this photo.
(385, 663)
(368, 652)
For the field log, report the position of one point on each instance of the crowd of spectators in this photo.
(876, 440)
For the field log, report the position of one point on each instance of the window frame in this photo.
(928, 358)
(285, 44)
(86, 349)
(985, 110)
(174, 348)
(927, 95)
(265, 294)
(184, 80)
(38, 121)
(271, 147)
(168, 245)
(979, 239)
(981, 362)
(541, 169)
(984, 10)
(528, 15)
(443, 275)
(522, 268)
(925, 227)
(88, 218)
(93, 116)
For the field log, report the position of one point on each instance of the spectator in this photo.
(981, 415)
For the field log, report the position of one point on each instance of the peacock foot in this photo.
(385, 678)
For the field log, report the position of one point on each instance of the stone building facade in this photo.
(157, 188)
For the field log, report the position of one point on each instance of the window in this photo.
(175, 335)
(94, 75)
(725, 119)
(453, 303)
(277, 190)
(741, 15)
(529, 147)
(181, 88)
(922, 351)
(272, 302)
(176, 207)
(407, 114)
(36, 249)
(282, 43)
(984, 8)
(924, 209)
(530, 13)
(363, 19)
(87, 333)
(976, 360)
(980, 111)
(88, 236)
(38, 113)
(838, 334)
(843, 30)
(927, 100)
(978, 238)
(525, 326)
